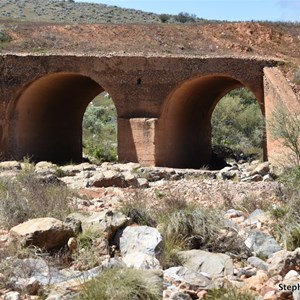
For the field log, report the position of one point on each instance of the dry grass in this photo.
(27, 197)
(124, 284)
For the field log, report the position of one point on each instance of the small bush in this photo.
(123, 284)
(285, 127)
(4, 37)
(184, 17)
(164, 18)
(231, 293)
(27, 197)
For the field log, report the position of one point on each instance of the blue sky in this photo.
(231, 10)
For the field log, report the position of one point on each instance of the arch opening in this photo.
(238, 128)
(100, 129)
(47, 118)
(185, 124)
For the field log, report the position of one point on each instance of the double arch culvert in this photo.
(164, 104)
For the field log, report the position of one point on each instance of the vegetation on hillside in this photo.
(70, 11)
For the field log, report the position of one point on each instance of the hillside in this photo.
(70, 11)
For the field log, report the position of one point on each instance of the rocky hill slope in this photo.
(70, 11)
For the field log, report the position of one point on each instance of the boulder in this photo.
(143, 239)
(256, 216)
(233, 213)
(187, 275)
(214, 264)
(12, 296)
(138, 260)
(257, 263)
(261, 169)
(107, 178)
(106, 221)
(10, 165)
(257, 281)
(45, 168)
(262, 243)
(45, 233)
(143, 182)
(180, 296)
(284, 261)
(130, 180)
(75, 182)
(296, 295)
(72, 170)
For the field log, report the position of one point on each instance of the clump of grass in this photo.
(231, 293)
(26, 197)
(286, 229)
(182, 225)
(123, 284)
(172, 245)
(198, 227)
(87, 254)
(137, 209)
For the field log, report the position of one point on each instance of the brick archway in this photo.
(185, 123)
(47, 117)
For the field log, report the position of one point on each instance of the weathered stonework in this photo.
(164, 104)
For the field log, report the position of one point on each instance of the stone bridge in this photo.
(164, 104)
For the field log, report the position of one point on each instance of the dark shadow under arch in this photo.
(184, 137)
(47, 118)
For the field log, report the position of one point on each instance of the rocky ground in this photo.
(256, 262)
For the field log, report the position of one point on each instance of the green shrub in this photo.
(123, 284)
(184, 17)
(27, 197)
(238, 123)
(100, 130)
(164, 17)
(4, 38)
(285, 127)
